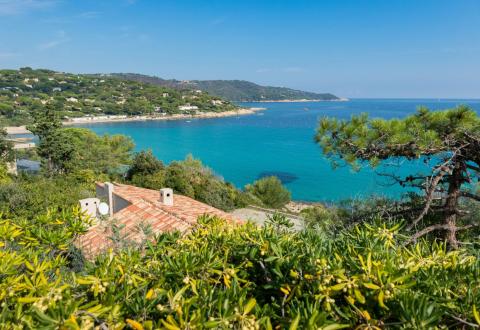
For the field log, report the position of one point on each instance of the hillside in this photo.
(233, 90)
(25, 91)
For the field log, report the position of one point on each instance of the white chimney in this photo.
(89, 206)
(109, 191)
(166, 196)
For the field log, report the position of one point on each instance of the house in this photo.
(165, 95)
(132, 208)
(71, 99)
(187, 107)
(56, 89)
(217, 102)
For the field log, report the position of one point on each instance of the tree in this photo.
(144, 163)
(270, 191)
(54, 146)
(447, 141)
(101, 154)
(6, 148)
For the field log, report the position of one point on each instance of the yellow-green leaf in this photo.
(371, 286)
(249, 306)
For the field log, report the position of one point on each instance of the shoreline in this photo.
(205, 115)
(19, 130)
(300, 101)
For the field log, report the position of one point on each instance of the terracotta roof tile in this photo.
(146, 209)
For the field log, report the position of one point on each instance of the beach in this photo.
(204, 115)
(17, 130)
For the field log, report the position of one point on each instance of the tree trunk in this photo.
(451, 204)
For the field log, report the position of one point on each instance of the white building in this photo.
(187, 107)
(71, 99)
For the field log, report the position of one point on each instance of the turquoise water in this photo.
(277, 141)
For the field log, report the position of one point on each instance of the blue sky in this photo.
(356, 48)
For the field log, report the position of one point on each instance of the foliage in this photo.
(54, 146)
(189, 177)
(144, 163)
(225, 276)
(447, 141)
(234, 90)
(270, 191)
(101, 154)
(6, 148)
(25, 92)
(70, 150)
(28, 196)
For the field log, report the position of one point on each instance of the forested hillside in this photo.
(23, 92)
(233, 90)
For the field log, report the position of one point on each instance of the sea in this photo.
(279, 141)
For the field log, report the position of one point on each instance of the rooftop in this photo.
(136, 208)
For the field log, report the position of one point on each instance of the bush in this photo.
(270, 191)
(241, 277)
(144, 163)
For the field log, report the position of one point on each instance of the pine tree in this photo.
(448, 141)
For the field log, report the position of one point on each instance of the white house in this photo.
(165, 95)
(71, 99)
(187, 107)
(217, 102)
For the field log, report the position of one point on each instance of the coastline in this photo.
(205, 115)
(302, 100)
(18, 130)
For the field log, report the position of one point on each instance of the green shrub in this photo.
(270, 191)
(242, 277)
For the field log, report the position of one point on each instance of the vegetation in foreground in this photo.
(242, 277)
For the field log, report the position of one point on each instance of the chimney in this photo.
(166, 196)
(89, 206)
(109, 191)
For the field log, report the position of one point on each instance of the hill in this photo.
(233, 90)
(25, 91)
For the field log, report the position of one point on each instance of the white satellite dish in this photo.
(103, 208)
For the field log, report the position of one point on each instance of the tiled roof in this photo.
(145, 211)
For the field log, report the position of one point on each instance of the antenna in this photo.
(103, 208)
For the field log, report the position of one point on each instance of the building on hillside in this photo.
(187, 107)
(132, 208)
(165, 95)
(71, 99)
(217, 102)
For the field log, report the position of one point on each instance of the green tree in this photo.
(54, 145)
(270, 191)
(6, 148)
(144, 163)
(447, 141)
(101, 154)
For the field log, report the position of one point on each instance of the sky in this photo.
(352, 48)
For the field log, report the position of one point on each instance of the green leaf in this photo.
(294, 324)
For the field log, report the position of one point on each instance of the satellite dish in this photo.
(103, 208)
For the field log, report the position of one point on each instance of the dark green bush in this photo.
(270, 191)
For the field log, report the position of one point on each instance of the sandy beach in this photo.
(15, 130)
(205, 115)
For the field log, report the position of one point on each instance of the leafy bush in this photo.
(225, 276)
(189, 177)
(270, 191)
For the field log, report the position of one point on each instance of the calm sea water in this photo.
(276, 141)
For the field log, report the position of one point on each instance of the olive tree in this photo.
(447, 141)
